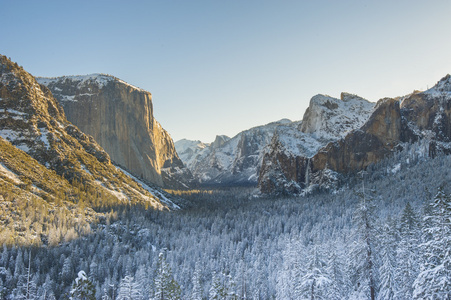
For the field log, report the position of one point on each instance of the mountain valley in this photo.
(351, 202)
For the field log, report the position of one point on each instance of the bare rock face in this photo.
(120, 118)
(278, 165)
(380, 134)
(429, 113)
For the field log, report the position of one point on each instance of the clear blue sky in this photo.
(220, 67)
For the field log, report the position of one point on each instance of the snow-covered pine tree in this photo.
(217, 290)
(108, 289)
(19, 266)
(166, 288)
(129, 289)
(230, 285)
(197, 292)
(260, 289)
(2, 290)
(434, 280)
(66, 272)
(26, 286)
(292, 268)
(142, 279)
(82, 288)
(337, 274)
(407, 252)
(315, 282)
(46, 289)
(93, 270)
(388, 289)
(364, 250)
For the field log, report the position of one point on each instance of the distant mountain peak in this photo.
(331, 118)
(219, 141)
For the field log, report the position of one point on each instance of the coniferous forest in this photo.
(385, 234)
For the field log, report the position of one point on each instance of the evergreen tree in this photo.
(19, 266)
(196, 293)
(289, 285)
(217, 289)
(365, 258)
(129, 289)
(230, 286)
(66, 272)
(434, 280)
(2, 290)
(166, 288)
(315, 282)
(26, 286)
(143, 281)
(109, 290)
(82, 288)
(46, 289)
(337, 274)
(388, 289)
(407, 252)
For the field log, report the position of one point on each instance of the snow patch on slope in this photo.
(154, 192)
(9, 174)
(9, 134)
(296, 142)
(118, 194)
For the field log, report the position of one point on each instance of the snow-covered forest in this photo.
(385, 235)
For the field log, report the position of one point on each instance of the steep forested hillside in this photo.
(385, 236)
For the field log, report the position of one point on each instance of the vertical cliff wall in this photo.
(120, 118)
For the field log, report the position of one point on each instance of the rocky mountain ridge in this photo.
(335, 137)
(239, 160)
(120, 118)
(393, 123)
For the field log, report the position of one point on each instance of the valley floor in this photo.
(385, 241)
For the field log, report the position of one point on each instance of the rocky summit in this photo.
(120, 118)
